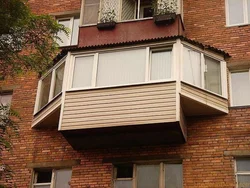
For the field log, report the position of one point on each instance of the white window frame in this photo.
(223, 71)
(71, 27)
(95, 67)
(119, 16)
(245, 13)
(52, 85)
(134, 178)
(230, 85)
(53, 178)
(239, 173)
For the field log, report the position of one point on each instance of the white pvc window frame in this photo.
(134, 176)
(230, 85)
(71, 27)
(245, 14)
(223, 70)
(52, 85)
(239, 172)
(95, 67)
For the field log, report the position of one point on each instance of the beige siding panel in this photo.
(133, 105)
(204, 97)
(52, 106)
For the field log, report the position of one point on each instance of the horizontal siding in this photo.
(204, 97)
(131, 105)
(50, 108)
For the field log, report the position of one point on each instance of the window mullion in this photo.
(94, 72)
(52, 85)
(134, 176)
(38, 95)
(138, 9)
(203, 68)
(162, 175)
(53, 179)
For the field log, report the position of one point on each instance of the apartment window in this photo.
(122, 68)
(52, 178)
(242, 173)
(202, 71)
(148, 176)
(5, 98)
(91, 11)
(50, 85)
(240, 82)
(238, 12)
(73, 24)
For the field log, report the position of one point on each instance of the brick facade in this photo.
(204, 162)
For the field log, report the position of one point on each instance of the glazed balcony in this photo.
(135, 95)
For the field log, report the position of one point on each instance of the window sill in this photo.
(240, 107)
(238, 25)
(118, 86)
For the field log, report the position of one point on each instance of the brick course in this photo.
(204, 164)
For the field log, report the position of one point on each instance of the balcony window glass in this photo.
(212, 75)
(91, 11)
(83, 71)
(72, 24)
(240, 82)
(161, 62)
(50, 85)
(192, 67)
(59, 73)
(45, 90)
(243, 172)
(123, 67)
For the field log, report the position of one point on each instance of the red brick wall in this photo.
(208, 137)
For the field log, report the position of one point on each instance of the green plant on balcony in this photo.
(108, 19)
(164, 11)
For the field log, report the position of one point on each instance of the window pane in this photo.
(128, 9)
(240, 88)
(45, 89)
(148, 176)
(5, 99)
(146, 9)
(243, 181)
(119, 68)
(123, 184)
(161, 65)
(74, 38)
(83, 71)
(125, 171)
(213, 75)
(65, 39)
(41, 186)
(173, 176)
(91, 9)
(59, 79)
(63, 178)
(44, 177)
(243, 164)
(236, 14)
(192, 67)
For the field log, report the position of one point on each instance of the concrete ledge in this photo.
(54, 164)
(237, 153)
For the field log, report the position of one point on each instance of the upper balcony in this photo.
(137, 94)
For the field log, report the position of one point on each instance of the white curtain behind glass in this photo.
(148, 176)
(236, 11)
(59, 79)
(240, 88)
(161, 65)
(63, 178)
(192, 67)
(124, 67)
(173, 175)
(123, 184)
(74, 37)
(82, 76)
(91, 10)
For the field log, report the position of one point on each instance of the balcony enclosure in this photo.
(94, 10)
(127, 95)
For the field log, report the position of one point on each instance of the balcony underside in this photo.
(196, 102)
(49, 115)
(125, 136)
